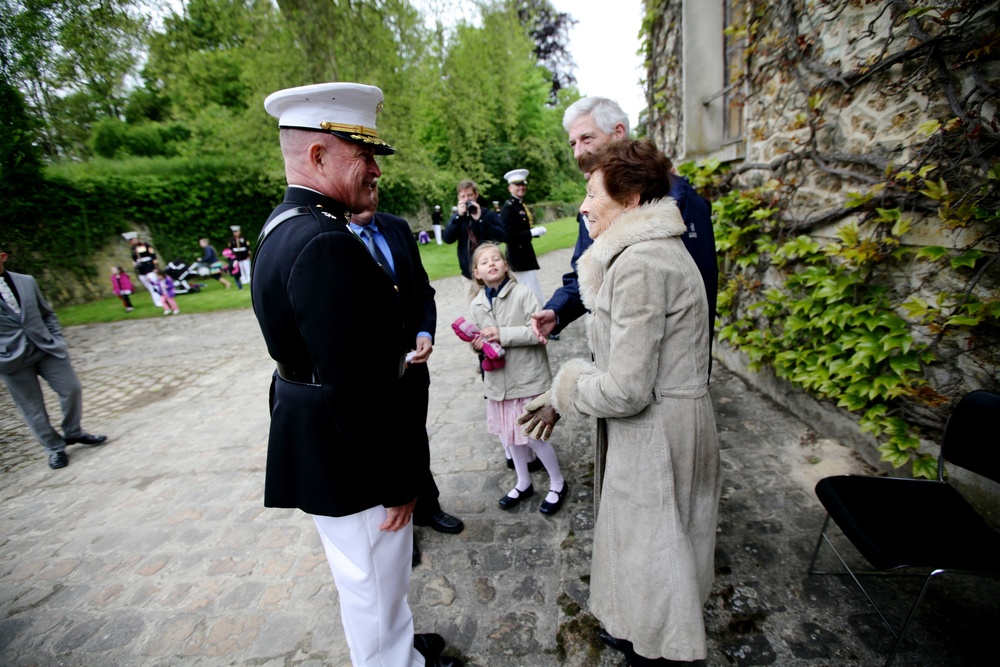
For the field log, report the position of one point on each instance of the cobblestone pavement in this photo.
(155, 549)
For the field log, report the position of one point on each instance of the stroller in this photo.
(179, 272)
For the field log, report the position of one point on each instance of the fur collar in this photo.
(658, 219)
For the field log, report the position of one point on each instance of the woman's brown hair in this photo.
(632, 166)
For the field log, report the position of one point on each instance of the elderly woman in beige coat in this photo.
(658, 482)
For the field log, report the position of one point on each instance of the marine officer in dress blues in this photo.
(518, 227)
(331, 319)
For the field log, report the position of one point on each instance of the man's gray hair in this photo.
(605, 112)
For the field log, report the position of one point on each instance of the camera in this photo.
(471, 208)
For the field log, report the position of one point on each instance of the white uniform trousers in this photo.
(530, 280)
(244, 271)
(372, 571)
(148, 281)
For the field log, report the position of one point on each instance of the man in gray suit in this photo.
(32, 345)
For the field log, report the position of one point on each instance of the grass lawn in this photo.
(440, 261)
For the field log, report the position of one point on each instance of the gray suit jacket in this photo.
(37, 324)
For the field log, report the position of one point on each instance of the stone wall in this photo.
(871, 125)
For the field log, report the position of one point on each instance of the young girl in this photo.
(502, 312)
(122, 286)
(165, 285)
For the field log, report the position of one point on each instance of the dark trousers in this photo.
(415, 393)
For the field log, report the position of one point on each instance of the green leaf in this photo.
(932, 252)
(963, 321)
(927, 128)
(925, 466)
(967, 258)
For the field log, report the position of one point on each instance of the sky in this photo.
(603, 44)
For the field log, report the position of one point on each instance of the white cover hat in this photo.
(516, 176)
(128, 236)
(346, 110)
(235, 228)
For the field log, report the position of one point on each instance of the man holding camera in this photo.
(470, 225)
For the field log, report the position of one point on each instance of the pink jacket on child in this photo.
(121, 284)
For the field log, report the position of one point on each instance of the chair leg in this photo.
(819, 543)
(909, 617)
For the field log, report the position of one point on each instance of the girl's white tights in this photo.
(545, 452)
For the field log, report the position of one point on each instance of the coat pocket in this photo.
(638, 463)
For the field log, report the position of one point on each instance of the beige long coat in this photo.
(654, 539)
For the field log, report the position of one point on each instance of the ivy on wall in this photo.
(829, 280)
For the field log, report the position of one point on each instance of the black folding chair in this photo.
(900, 523)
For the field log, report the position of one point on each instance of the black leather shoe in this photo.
(444, 661)
(551, 508)
(415, 561)
(553, 336)
(429, 644)
(510, 503)
(58, 460)
(612, 642)
(510, 464)
(443, 522)
(87, 439)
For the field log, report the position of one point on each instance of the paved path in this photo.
(155, 549)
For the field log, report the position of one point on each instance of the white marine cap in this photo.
(128, 236)
(346, 110)
(516, 176)
(235, 228)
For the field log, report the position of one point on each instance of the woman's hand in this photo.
(477, 343)
(491, 334)
(539, 418)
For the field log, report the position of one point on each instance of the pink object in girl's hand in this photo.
(467, 331)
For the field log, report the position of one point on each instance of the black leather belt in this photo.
(297, 374)
(310, 376)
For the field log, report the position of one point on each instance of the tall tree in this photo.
(72, 60)
(549, 29)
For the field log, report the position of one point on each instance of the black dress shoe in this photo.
(510, 463)
(444, 661)
(510, 503)
(428, 644)
(612, 642)
(551, 508)
(443, 522)
(553, 336)
(87, 439)
(415, 561)
(58, 460)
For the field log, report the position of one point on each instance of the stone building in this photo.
(866, 138)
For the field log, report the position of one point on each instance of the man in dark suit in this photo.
(32, 345)
(393, 238)
(332, 322)
(591, 123)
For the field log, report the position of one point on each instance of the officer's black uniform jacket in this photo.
(517, 234)
(325, 305)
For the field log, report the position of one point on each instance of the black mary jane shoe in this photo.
(551, 508)
(510, 503)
